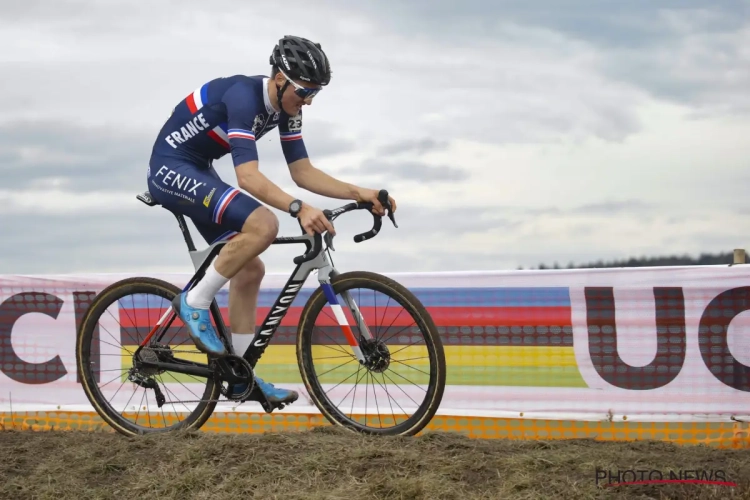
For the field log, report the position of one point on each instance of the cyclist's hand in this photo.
(371, 196)
(314, 220)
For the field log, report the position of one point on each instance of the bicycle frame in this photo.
(315, 258)
(264, 335)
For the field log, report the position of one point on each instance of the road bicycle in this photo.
(151, 351)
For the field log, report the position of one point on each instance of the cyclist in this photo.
(228, 115)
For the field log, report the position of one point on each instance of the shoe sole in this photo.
(290, 400)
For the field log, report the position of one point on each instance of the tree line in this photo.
(703, 259)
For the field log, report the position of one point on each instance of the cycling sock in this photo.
(241, 341)
(204, 292)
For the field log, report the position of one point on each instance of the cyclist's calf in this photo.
(250, 275)
(258, 233)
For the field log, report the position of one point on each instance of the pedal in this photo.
(258, 396)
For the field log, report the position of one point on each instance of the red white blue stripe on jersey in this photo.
(238, 133)
(218, 135)
(290, 136)
(196, 100)
(223, 203)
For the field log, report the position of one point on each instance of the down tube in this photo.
(276, 314)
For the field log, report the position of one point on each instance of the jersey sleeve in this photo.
(290, 134)
(241, 113)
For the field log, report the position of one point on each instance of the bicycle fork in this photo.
(338, 312)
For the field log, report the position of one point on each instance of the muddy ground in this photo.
(329, 463)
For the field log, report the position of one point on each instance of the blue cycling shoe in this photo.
(272, 394)
(199, 326)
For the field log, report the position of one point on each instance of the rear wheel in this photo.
(403, 381)
(125, 395)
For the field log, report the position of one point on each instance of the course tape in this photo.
(723, 435)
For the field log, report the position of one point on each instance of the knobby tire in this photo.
(399, 293)
(98, 307)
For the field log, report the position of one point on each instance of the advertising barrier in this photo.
(624, 353)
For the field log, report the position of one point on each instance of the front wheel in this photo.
(403, 381)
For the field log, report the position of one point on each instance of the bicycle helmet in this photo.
(299, 58)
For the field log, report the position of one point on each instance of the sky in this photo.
(510, 133)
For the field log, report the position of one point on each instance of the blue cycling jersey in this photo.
(226, 115)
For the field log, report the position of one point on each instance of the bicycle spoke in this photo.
(130, 401)
(390, 394)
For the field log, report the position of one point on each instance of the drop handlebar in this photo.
(359, 238)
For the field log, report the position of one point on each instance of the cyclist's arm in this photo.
(306, 176)
(301, 169)
(241, 112)
(254, 182)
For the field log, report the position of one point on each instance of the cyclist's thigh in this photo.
(217, 209)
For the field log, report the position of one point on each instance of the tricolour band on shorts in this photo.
(223, 203)
(225, 237)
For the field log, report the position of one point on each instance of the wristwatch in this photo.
(294, 208)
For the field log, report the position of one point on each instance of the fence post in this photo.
(739, 256)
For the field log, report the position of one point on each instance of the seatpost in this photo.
(185, 231)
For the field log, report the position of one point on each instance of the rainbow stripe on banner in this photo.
(492, 336)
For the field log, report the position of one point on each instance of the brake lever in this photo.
(328, 237)
(383, 199)
(329, 241)
(392, 217)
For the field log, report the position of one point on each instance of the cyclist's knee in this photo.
(263, 223)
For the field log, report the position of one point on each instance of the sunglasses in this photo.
(299, 90)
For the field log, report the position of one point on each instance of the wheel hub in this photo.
(151, 354)
(377, 355)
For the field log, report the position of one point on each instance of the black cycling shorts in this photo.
(217, 209)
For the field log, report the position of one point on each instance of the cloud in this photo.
(680, 51)
(511, 134)
(383, 171)
(51, 154)
(56, 154)
(615, 207)
(699, 64)
(412, 146)
(607, 23)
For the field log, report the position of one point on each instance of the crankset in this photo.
(228, 371)
(234, 370)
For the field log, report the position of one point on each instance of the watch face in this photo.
(295, 206)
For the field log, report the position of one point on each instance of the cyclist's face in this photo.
(290, 101)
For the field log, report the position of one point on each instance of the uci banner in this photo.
(639, 344)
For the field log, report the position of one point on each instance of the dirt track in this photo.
(327, 463)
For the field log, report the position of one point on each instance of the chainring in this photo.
(231, 370)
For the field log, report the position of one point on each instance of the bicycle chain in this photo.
(196, 351)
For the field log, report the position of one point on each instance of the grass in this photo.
(330, 463)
